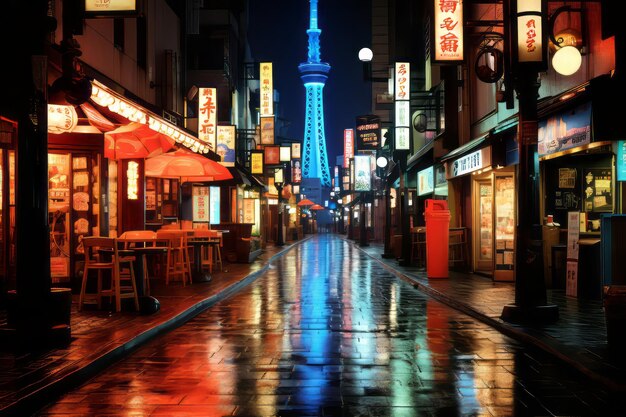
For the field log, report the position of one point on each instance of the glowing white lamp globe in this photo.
(567, 60)
(366, 54)
(381, 162)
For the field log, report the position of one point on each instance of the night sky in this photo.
(277, 33)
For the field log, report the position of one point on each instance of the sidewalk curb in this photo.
(31, 401)
(554, 349)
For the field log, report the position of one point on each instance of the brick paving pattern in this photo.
(327, 331)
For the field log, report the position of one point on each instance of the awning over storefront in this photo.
(466, 148)
(421, 154)
(130, 130)
(242, 176)
(121, 106)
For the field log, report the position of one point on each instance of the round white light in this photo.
(381, 162)
(366, 54)
(567, 60)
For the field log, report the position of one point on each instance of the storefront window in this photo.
(73, 209)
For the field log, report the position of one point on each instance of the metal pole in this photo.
(387, 253)
(362, 225)
(405, 259)
(279, 231)
(530, 291)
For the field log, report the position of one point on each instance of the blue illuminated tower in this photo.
(314, 74)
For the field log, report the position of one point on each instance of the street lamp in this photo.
(365, 56)
(279, 181)
(529, 57)
(383, 164)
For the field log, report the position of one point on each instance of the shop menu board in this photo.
(200, 202)
(585, 190)
(58, 209)
(505, 222)
(597, 190)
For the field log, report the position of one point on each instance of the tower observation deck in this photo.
(314, 74)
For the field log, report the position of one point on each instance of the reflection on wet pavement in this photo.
(327, 331)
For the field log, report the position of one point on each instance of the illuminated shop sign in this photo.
(367, 133)
(267, 130)
(214, 204)
(200, 199)
(362, 173)
(256, 162)
(207, 115)
(448, 25)
(226, 136)
(285, 153)
(529, 31)
(296, 150)
(107, 7)
(267, 90)
(469, 163)
(296, 171)
(565, 130)
(425, 181)
(348, 146)
(402, 95)
(621, 160)
(132, 178)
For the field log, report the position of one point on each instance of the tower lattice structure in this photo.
(314, 74)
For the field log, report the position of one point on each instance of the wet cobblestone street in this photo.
(328, 332)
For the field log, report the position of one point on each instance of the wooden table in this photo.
(141, 267)
(197, 274)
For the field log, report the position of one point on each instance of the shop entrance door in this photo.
(504, 226)
(7, 219)
(483, 226)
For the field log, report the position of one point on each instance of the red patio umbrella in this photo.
(186, 165)
(135, 140)
(305, 202)
(316, 207)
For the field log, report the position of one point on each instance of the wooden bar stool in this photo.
(120, 267)
(177, 255)
(216, 249)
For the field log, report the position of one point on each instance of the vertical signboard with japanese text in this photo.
(267, 130)
(207, 116)
(448, 31)
(200, 203)
(267, 89)
(402, 96)
(530, 36)
(573, 235)
(296, 149)
(256, 162)
(348, 146)
(225, 148)
(296, 171)
(267, 103)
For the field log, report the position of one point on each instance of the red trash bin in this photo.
(437, 218)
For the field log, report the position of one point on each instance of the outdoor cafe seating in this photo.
(102, 254)
(178, 262)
